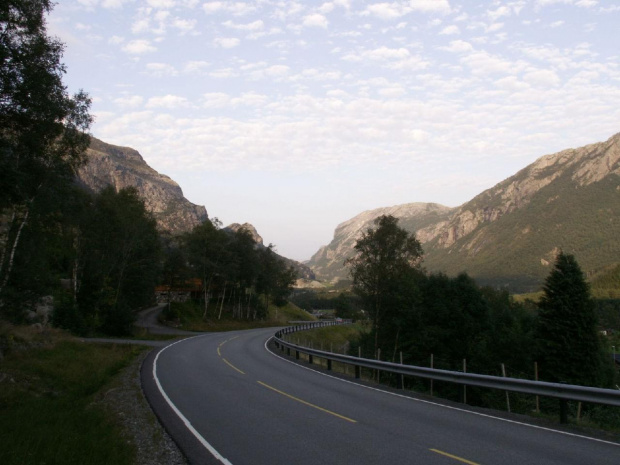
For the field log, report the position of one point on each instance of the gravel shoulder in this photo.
(125, 400)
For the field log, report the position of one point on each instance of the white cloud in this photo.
(167, 101)
(500, 12)
(450, 30)
(253, 99)
(226, 42)
(385, 11)
(381, 53)
(427, 6)
(254, 26)
(458, 46)
(116, 40)
(315, 20)
(130, 101)
(556, 24)
(184, 25)
(161, 69)
(511, 83)
(195, 66)
(234, 8)
(141, 25)
(161, 4)
(587, 3)
(215, 100)
(483, 63)
(138, 47)
(542, 78)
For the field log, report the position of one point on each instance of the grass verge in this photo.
(49, 388)
(189, 315)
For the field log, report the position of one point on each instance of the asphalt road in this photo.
(225, 399)
(147, 319)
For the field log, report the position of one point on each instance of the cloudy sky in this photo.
(296, 116)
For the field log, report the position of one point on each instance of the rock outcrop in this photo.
(122, 167)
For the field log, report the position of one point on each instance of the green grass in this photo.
(334, 338)
(190, 317)
(48, 403)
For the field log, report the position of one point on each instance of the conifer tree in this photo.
(567, 338)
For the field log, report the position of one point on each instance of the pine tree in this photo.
(567, 338)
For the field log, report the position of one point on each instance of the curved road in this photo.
(225, 399)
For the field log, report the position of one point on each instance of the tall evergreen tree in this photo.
(567, 338)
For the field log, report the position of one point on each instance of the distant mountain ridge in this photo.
(121, 167)
(508, 235)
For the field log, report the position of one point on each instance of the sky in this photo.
(296, 116)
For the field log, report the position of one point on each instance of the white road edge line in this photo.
(187, 423)
(441, 405)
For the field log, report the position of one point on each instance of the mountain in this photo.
(122, 167)
(303, 271)
(328, 262)
(509, 235)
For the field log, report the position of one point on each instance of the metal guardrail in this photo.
(564, 392)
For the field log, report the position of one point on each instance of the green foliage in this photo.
(568, 343)
(237, 276)
(49, 413)
(190, 316)
(386, 263)
(515, 251)
(42, 141)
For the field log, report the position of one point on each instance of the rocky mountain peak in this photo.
(249, 228)
(122, 167)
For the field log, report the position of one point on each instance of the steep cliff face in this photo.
(122, 167)
(508, 235)
(584, 166)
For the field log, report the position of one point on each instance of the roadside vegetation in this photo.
(189, 316)
(51, 388)
(452, 323)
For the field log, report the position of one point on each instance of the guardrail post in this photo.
(357, 372)
(329, 365)
(563, 411)
(288, 351)
(400, 383)
(310, 359)
(296, 355)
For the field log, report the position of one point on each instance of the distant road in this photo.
(147, 319)
(226, 399)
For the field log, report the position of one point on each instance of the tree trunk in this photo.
(222, 304)
(13, 249)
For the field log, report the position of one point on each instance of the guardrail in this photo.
(564, 392)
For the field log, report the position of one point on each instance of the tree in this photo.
(119, 257)
(567, 338)
(42, 129)
(386, 262)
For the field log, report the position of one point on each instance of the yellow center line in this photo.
(306, 403)
(460, 459)
(232, 366)
(226, 361)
